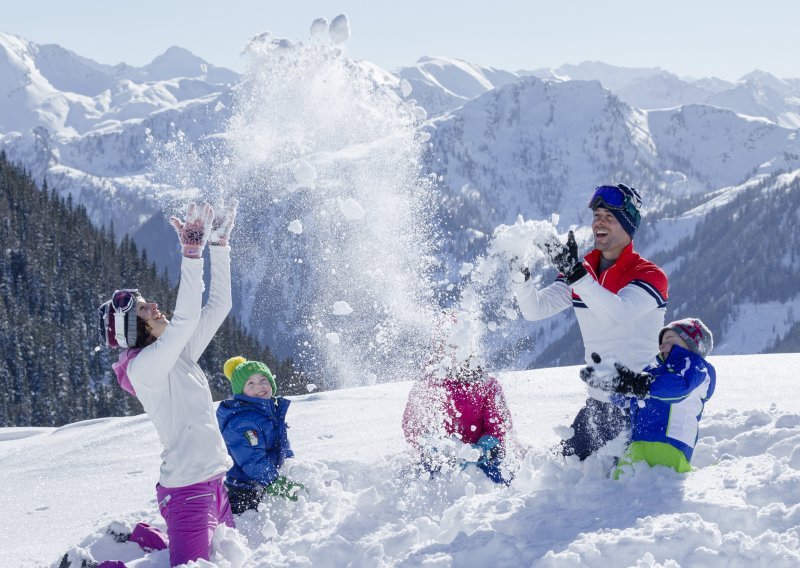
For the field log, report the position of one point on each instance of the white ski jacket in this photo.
(620, 314)
(171, 385)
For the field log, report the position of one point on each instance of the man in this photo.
(619, 299)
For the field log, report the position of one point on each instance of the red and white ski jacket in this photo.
(620, 314)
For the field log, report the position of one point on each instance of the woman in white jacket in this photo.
(159, 366)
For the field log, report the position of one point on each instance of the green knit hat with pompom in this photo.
(239, 369)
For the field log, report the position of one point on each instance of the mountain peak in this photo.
(176, 62)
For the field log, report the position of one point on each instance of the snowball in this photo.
(492, 325)
(229, 547)
(333, 337)
(511, 313)
(295, 227)
(469, 454)
(466, 268)
(218, 107)
(269, 530)
(341, 309)
(351, 209)
(318, 26)
(372, 378)
(339, 29)
(405, 88)
(305, 174)
(311, 387)
(420, 113)
(554, 218)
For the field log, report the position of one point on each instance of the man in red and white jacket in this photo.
(619, 299)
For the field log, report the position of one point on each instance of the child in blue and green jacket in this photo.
(667, 398)
(253, 424)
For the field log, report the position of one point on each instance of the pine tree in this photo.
(56, 269)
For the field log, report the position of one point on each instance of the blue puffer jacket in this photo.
(671, 414)
(255, 433)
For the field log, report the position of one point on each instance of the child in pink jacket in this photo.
(464, 407)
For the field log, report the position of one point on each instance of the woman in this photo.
(158, 365)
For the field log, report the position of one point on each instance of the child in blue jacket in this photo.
(666, 399)
(253, 424)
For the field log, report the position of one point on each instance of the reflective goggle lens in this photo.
(609, 196)
(123, 300)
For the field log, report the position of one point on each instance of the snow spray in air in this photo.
(335, 248)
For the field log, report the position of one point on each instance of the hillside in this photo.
(738, 508)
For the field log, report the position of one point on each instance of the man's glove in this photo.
(589, 376)
(193, 234)
(223, 224)
(630, 383)
(282, 487)
(565, 258)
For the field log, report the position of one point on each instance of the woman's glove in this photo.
(223, 224)
(282, 487)
(193, 234)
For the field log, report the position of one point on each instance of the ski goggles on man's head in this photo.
(617, 197)
(124, 300)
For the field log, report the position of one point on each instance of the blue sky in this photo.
(698, 38)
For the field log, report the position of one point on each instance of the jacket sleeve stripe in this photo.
(662, 303)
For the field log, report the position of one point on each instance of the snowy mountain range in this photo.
(501, 143)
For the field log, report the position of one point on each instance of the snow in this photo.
(351, 209)
(738, 508)
(295, 227)
(341, 308)
(318, 26)
(339, 29)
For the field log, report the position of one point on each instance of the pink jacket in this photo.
(468, 409)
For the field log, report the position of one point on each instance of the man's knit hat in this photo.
(239, 369)
(694, 332)
(118, 319)
(624, 202)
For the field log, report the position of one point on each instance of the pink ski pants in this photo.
(192, 513)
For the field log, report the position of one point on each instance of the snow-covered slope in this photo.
(534, 147)
(85, 126)
(716, 146)
(63, 487)
(756, 94)
(440, 84)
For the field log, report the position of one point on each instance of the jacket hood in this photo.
(121, 369)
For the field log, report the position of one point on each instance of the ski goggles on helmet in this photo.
(123, 300)
(619, 198)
